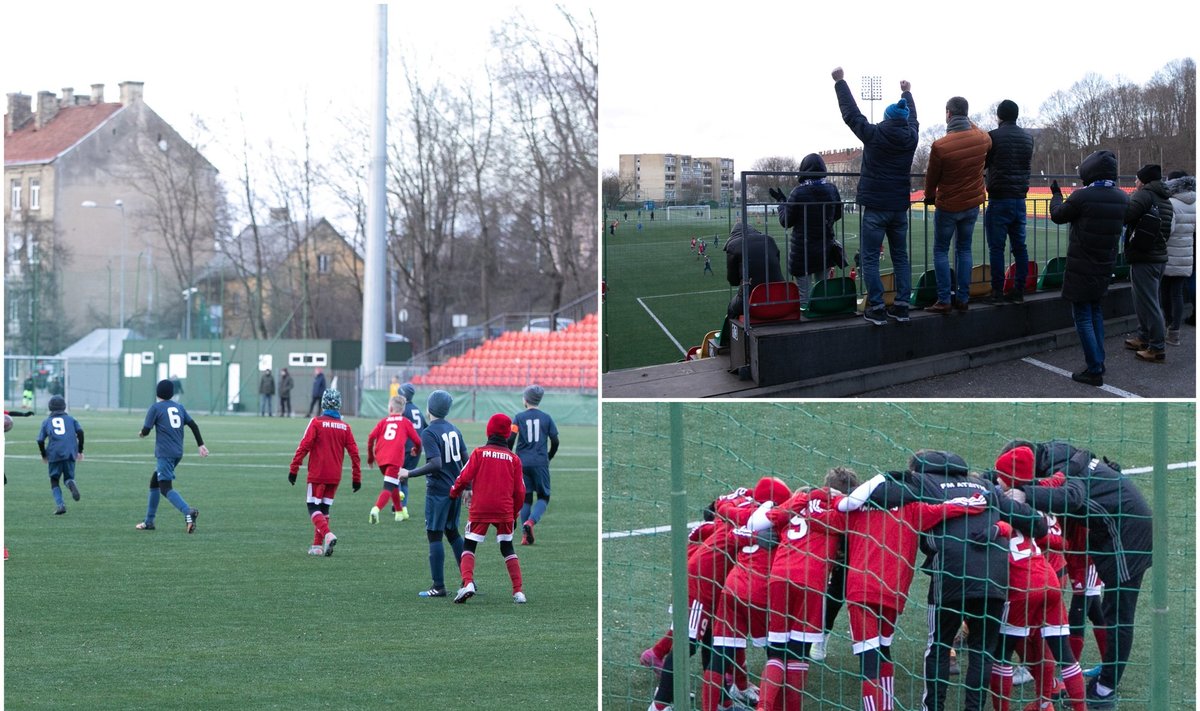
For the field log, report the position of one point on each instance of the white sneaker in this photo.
(519, 598)
(746, 697)
(316, 550)
(1021, 675)
(818, 649)
(373, 517)
(330, 542)
(465, 593)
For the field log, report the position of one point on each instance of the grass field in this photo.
(732, 445)
(660, 302)
(238, 616)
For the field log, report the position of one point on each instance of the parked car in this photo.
(542, 325)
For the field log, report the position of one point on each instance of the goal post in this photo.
(693, 212)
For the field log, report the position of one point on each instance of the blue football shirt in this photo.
(534, 430)
(61, 433)
(444, 439)
(167, 418)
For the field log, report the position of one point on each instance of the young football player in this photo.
(326, 441)
(413, 413)
(493, 474)
(168, 418)
(389, 444)
(444, 447)
(65, 435)
(533, 430)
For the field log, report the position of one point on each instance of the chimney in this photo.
(279, 215)
(19, 112)
(47, 107)
(97, 93)
(68, 97)
(131, 91)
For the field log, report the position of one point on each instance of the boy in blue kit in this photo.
(65, 436)
(167, 418)
(443, 445)
(413, 413)
(532, 429)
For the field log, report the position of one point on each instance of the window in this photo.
(299, 360)
(204, 358)
(16, 195)
(35, 189)
(323, 262)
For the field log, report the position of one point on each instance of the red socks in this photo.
(321, 523)
(1001, 685)
(397, 504)
(771, 686)
(1101, 640)
(710, 695)
(662, 646)
(887, 683)
(1073, 680)
(382, 499)
(740, 678)
(514, 570)
(466, 566)
(872, 695)
(795, 677)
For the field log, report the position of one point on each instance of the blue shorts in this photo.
(537, 480)
(64, 468)
(441, 512)
(165, 468)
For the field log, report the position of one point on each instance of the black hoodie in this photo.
(811, 209)
(1096, 214)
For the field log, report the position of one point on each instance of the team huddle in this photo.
(773, 566)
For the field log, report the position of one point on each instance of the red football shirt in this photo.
(388, 441)
(326, 441)
(497, 486)
(810, 530)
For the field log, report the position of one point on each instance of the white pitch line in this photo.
(686, 293)
(1106, 388)
(664, 328)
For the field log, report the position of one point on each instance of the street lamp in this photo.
(187, 300)
(117, 205)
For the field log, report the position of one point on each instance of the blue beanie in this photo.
(897, 110)
(533, 394)
(407, 390)
(439, 403)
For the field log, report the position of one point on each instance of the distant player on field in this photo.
(326, 441)
(443, 445)
(65, 436)
(389, 443)
(493, 474)
(413, 413)
(532, 429)
(168, 418)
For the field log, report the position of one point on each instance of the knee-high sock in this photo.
(321, 524)
(795, 677)
(770, 691)
(177, 500)
(467, 567)
(1001, 685)
(382, 499)
(514, 572)
(1101, 640)
(663, 645)
(1073, 680)
(713, 690)
(538, 510)
(152, 505)
(397, 502)
(56, 491)
(887, 684)
(872, 695)
(741, 679)
(437, 561)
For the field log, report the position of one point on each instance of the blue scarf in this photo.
(1102, 184)
(332, 413)
(812, 181)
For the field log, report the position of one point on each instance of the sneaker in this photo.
(1021, 676)
(465, 593)
(1172, 338)
(1152, 355)
(745, 697)
(899, 312)
(75, 489)
(402, 514)
(373, 517)
(995, 298)
(1088, 378)
(1092, 673)
(433, 592)
(60, 510)
(818, 649)
(527, 533)
(519, 598)
(1040, 706)
(1136, 344)
(876, 315)
(940, 307)
(143, 526)
(316, 550)
(189, 521)
(330, 542)
(651, 660)
(1096, 702)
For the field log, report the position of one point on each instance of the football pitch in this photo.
(732, 445)
(660, 302)
(98, 615)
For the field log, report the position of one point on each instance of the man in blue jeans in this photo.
(1007, 169)
(954, 184)
(883, 191)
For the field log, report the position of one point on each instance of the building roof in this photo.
(68, 127)
(100, 343)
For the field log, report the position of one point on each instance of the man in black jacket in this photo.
(757, 254)
(1007, 169)
(1147, 263)
(1096, 495)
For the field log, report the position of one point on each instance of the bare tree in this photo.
(613, 189)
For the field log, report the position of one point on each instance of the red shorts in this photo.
(477, 531)
(871, 627)
(736, 620)
(796, 613)
(321, 493)
(1038, 609)
(390, 473)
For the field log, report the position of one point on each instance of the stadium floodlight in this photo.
(872, 91)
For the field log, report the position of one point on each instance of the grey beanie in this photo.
(439, 403)
(407, 390)
(533, 394)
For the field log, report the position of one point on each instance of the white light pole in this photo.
(187, 300)
(117, 205)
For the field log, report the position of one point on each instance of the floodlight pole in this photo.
(872, 91)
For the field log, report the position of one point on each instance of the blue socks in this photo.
(539, 510)
(152, 505)
(58, 499)
(437, 557)
(177, 501)
(524, 516)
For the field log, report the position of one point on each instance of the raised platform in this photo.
(846, 356)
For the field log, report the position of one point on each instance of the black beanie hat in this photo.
(1007, 110)
(1150, 173)
(165, 389)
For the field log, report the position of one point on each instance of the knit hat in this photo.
(331, 400)
(533, 394)
(771, 489)
(1007, 110)
(897, 110)
(57, 404)
(1015, 467)
(1150, 173)
(439, 403)
(165, 389)
(407, 390)
(499, 425)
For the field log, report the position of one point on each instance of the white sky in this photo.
(747, 84)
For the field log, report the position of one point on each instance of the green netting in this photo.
(732, 445)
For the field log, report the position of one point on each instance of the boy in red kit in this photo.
(493, 474)
(326, 441)
(389, 444)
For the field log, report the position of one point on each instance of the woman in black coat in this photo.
(811, 209)
(1096, 214)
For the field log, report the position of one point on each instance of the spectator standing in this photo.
(1096, 214)
(1147, 261)
(883, 191)
(1180, 251)
(810, 210)
(266, 391)
(285, 392)
(1007, 169)
(956, 163)
(760, 255)
(318, 388)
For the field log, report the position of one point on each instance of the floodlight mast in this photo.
(872, 91)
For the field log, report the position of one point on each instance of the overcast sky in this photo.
(754, 81)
